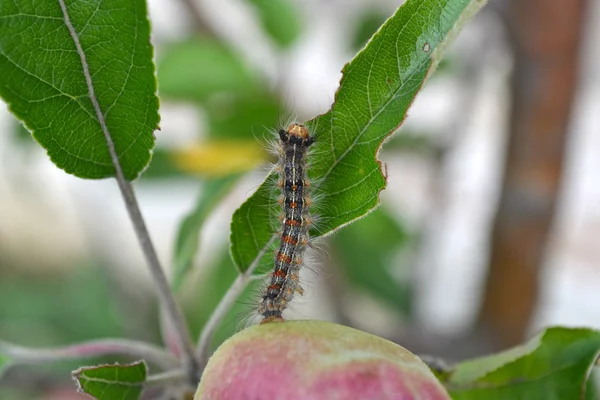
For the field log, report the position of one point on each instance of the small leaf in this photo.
(376, 89)
(555, 365)
(42, 79)
(112, 382)
(280, 19)
(186, 245)
(197, 69)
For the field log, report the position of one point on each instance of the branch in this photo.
(165, 295)
(149, 352)
(238, 286)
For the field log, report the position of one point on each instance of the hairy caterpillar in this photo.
(295, 219)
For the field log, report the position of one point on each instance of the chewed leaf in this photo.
(46, 48)
(376, 89)
(555, 365)
(112, 382)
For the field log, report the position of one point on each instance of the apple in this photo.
(315, 360)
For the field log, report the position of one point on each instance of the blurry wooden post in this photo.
(545, 37)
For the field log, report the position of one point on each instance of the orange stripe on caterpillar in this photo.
(289, 239)
(280, 273)
(284, 257)
(292, 222)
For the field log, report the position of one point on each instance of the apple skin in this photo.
(315, 360)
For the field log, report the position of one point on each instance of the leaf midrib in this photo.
(100, 116)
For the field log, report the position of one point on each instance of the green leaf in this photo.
(186, 244)
(42, 79)
(555, 365)
(376, 89)
(196, 69)
(112, 382)
(280, 19)
(364, 251)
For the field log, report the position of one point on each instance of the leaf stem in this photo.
(217, 316)
(166, 377)
(164, 292)
(149, 352)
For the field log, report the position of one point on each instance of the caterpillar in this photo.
(295, 201)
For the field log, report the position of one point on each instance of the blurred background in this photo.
(486, 233)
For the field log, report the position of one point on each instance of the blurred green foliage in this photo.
(20, 133)
(367, 24)
(244, 116)
(188, 234)
(59, 309)
(206, 290)
(280, 19)
(409, 141)
(365, 253)
(198, 68)
(164, 166)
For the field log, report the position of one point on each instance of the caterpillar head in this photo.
(296, 134)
